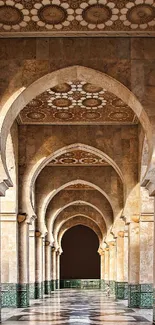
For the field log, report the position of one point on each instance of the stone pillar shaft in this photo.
(134, 264)
(107, 264)
(102, 269)
(47, 267)
(112, 266)
(146, 260)
(23, 262)
(32, 257)
(120, 258)
(39, 266)
(58, 269)
(53, 273)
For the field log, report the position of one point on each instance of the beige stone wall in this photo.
(9, 249)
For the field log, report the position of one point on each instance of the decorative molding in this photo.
(148, 217)
(77, 18)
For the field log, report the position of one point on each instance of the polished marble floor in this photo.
(77, 307)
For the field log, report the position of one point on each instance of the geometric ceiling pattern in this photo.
(78, 158)
(77, 102)
(79, 16)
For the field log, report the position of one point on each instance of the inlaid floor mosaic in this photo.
(78, 307)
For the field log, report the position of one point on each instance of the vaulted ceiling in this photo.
(77, 102)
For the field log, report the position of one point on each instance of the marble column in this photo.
(106, 273)
(9, 259)
(39, 265)
(126, 254)
(53, 269)
(23, 262)
(57, 269)
(121, 285)
(47, 267)
(146, 260)
(43, 265)
(102, 267)
(134, 263)
(154, 269)
(112, 266)
(32, 258)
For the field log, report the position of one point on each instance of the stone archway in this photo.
(10, 112)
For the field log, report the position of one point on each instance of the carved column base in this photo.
(141, 295)
(53, 285)
(38, 290)
(121, 289)
(23, 295)
(146, 295)
(134, 295)
(47, 285)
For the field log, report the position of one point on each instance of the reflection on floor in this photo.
(78, 307)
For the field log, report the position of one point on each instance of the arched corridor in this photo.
(77, 167)
(80, 259)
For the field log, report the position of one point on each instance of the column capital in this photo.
(21, 217)
(47, 243)
(121, 234)
(38, 233)
(100, 251)
(112, 243)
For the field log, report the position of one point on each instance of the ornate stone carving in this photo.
(52, 14)
(77, 102)
(78, 157)
(77, 16)
(97, 14)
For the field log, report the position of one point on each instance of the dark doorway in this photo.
(80, 259)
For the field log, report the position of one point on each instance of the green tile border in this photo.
(153, 305)
(14, 295)
(141, 296)
(146, 295)
(121, 290)
(81, 283)
(8, 295)
(23, 295)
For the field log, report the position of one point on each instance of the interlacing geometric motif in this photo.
(76, 102)
(77, 15)
(78, 157)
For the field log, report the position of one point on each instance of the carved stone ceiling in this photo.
(77, 103)
(78, 158)
(77, 17)
(78, 187)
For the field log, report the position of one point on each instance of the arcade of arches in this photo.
(77, 148)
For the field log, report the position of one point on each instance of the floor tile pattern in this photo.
(78, 307)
